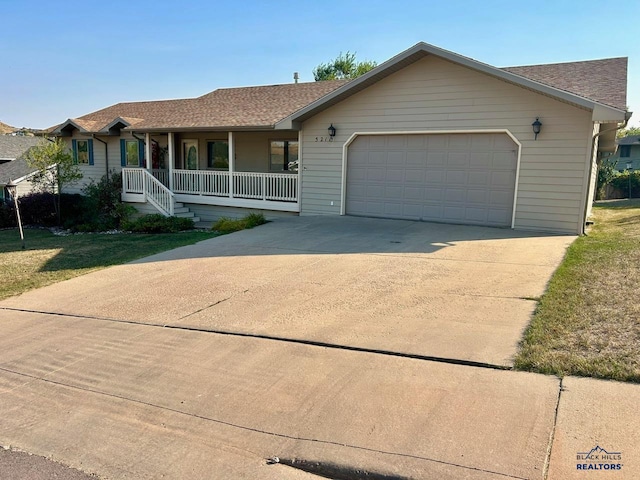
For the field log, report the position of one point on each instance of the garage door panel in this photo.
(416, 142)
(499, 217)
(459, 142)
(503, 179)
(458, 159)
(503, 160)
(433, 194)
(412, 211)
(437, 158)
(481, 160)
(415, 176)
(433, 212)
(483, 142)
(377, 175)
(461, 178)
(476, 215)
(394, 175)
(414, 194)
(396, 141)
(500, 197)
(456, 177)
(478, 178)
(477, 197)
(416, 158)
(455, 195)
(434, 177)
(453, 213)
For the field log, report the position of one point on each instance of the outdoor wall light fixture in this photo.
(537, 125)
(332, 131)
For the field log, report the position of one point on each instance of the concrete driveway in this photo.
(456, 292)
(343, 346)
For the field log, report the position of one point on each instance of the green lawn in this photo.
(51, 258)
(588, 321)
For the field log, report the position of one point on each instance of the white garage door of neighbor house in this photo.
(454, 178)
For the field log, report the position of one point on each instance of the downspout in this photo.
(106, 152)
(627, 116)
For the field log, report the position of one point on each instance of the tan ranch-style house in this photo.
(427, 135)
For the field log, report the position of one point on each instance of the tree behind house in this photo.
(55, 168)
(344, 66)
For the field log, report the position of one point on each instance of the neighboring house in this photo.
(16, 173)
(13, 147)
(628, 152)
(427, 135)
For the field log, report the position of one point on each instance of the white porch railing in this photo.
(282, 187)
(138, 181)
(162, 175)
(270, 191)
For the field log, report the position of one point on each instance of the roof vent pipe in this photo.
(296, 77)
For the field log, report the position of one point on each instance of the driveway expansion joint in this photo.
(311, 343)
(547, 459)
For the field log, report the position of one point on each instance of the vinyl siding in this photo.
(433, 94)
(99, 168)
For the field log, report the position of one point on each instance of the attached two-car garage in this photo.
(465, 178)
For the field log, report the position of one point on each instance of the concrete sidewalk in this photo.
(128, 372)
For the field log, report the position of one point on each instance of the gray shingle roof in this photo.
(14, 170)
(11, 147)
(604, 81)
(629, 140)
(225, 107)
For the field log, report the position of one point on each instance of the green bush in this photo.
(230, 225)
(156, 223)
(619, 185)
(7, 216)
(39, 208)
(103, 207)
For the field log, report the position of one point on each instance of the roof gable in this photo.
(602, 111)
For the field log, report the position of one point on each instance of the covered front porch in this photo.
(257, 170)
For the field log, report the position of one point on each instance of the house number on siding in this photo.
(324, 139)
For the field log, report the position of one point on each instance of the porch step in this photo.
(179, 210)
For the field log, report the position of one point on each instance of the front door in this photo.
(190, 154)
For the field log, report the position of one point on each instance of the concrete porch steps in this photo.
(179, 210)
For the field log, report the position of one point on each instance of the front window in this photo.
(132, 150)
(283, 156)
(625, 151)
(218, 154)
(82, 152)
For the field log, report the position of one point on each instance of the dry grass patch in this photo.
(588, 321)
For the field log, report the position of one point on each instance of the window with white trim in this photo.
(283, 156)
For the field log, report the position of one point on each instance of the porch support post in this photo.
(147, 151)
(299, 174)
(172, 160)
(232, 161)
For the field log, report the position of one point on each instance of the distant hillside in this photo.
(4, 128)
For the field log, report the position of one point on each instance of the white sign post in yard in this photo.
(13, 191)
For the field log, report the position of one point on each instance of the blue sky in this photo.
(65, 59)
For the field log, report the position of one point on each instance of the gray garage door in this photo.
(455, 178)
